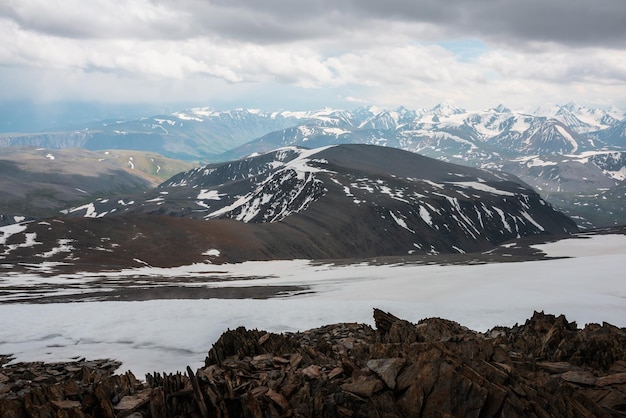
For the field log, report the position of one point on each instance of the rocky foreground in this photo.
(436, 368)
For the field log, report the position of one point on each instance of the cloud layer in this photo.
(471, 52)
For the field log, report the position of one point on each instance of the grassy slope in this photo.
(40, 182)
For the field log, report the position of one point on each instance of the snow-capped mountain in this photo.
(581, 119)
(203, 133)
(343, 201)
(489, 138)
(189, 135)
(588, 186)
(444, 131)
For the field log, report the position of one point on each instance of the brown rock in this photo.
(259, 391)
(312, 372)
(264, 338)
(278, 399)
(295, 360)
(556, 366)
(65, 404)
(363, 386)
(579, 378)
(335, 372)
(387, 369)
(618, 367)
(612, 379)
(261, 361)
(348, 343)
(133, 402)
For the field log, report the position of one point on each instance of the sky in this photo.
(292, 54)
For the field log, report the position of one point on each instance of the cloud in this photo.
(96, 19)
(569, 22)
(397, 51)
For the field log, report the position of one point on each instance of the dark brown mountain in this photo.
(343, 201)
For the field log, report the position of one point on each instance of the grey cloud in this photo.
(97, 20)
(570, 22)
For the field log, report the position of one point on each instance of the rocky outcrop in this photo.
(545, 367)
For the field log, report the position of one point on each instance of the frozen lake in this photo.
(166, 335)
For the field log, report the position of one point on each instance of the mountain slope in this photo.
(497, 138)
(191, 135)
(40, 182)
(588, 186)
(341, 201)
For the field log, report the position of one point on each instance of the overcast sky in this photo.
(279, 54)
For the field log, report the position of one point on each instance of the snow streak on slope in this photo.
(289, 189)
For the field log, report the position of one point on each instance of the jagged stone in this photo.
(579, 377)
(363, 386)
(545, 367)
(130, 403)
(278, 399)
(556, 366)
(613, 379)
(65, 404)
(312, 372)
(387, 369)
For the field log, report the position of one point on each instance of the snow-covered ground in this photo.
(168, 335)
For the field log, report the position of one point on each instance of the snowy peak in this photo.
(581, 119)
(501, 109)
(445, 109)
(444, 131)
(204, 133)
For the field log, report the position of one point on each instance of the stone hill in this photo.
(545, 367)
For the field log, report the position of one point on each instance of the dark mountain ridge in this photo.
(342, 201)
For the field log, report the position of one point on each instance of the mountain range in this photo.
(202, 133)
(340, 201)
(571, 154)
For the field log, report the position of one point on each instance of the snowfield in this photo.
(168, 335)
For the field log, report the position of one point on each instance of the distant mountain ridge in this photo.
(445, 130)
(203, 133)
(498, 138)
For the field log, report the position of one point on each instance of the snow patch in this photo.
(400, 222)
(425, 215)
(64, 246)
(206, 194)
(482, 187)
(567, 137)
(9, 230)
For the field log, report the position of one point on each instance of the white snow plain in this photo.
(168, 335)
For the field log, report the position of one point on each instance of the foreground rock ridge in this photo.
(546, 367)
